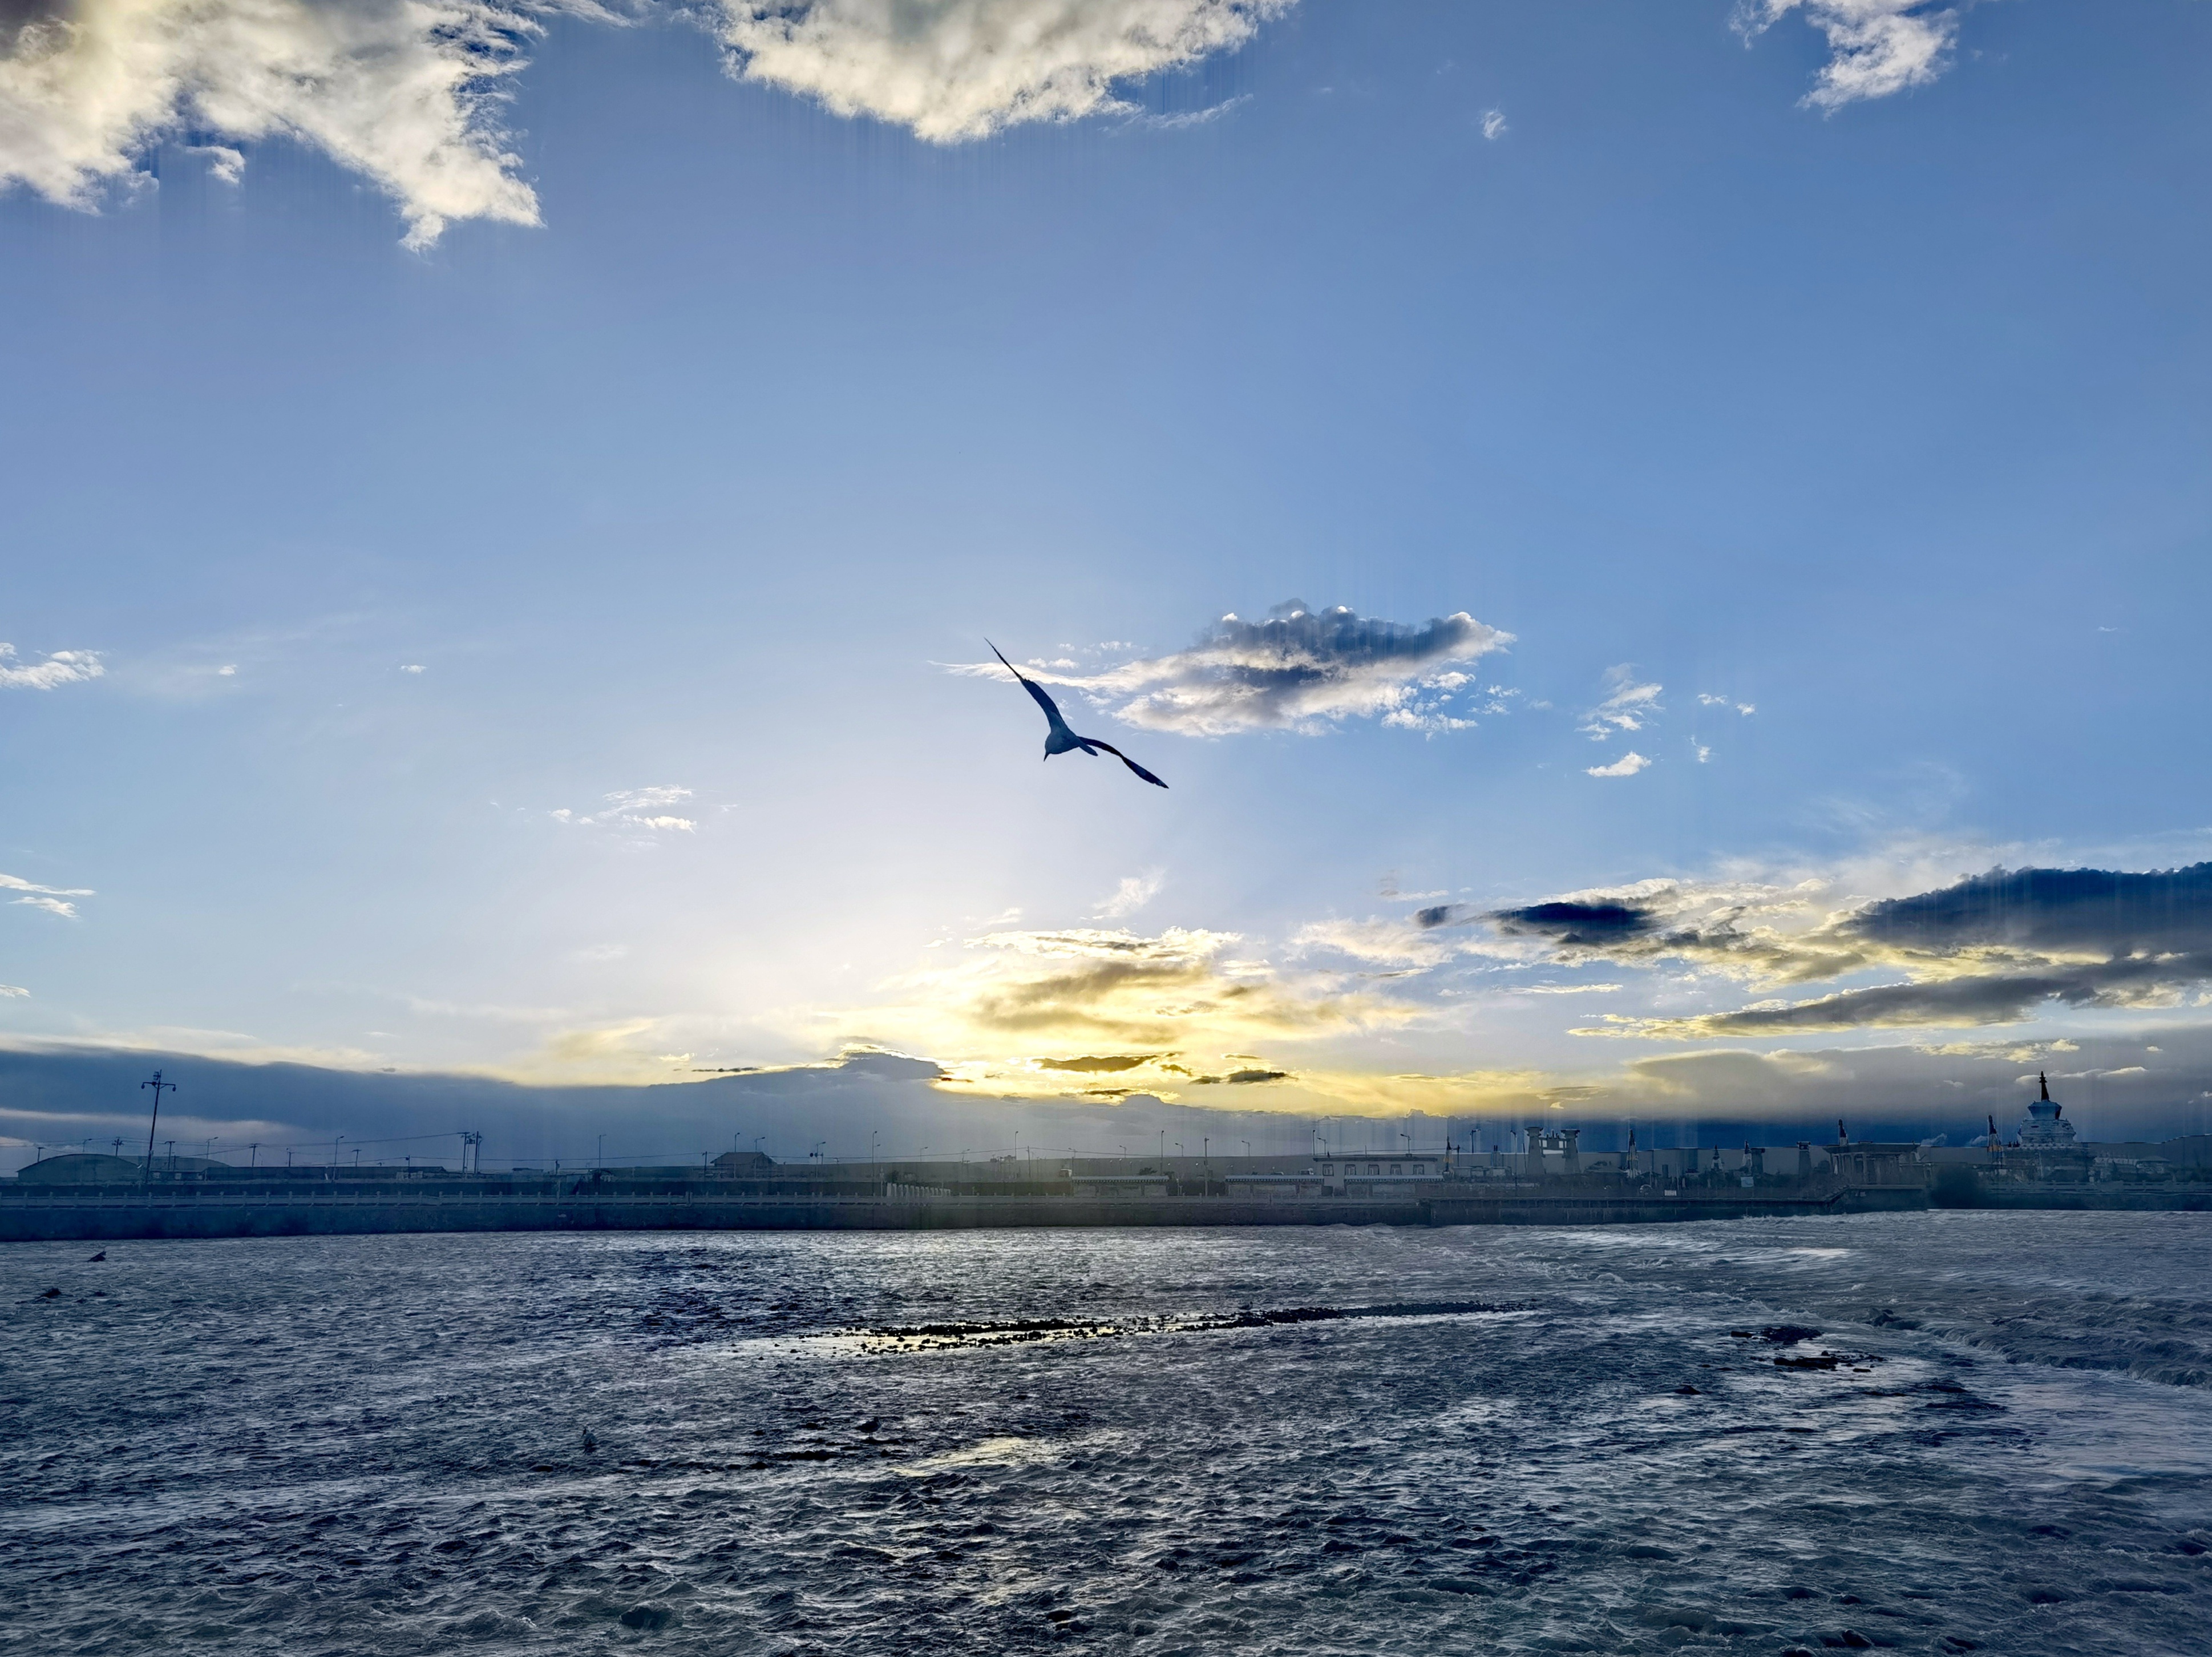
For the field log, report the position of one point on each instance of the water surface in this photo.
(1525, 1440)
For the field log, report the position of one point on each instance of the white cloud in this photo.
(1204, 117)
(223, 162)
(1406, 944)
(1493, 122)
(409, 93)
(1706, 700)
(633, 808)
(52, 899)
(1703, 753)
(1298, 669)
(227, 670)
(62, 666)
(951, 70)
(406, 92)
(413, 667)
(1878, 46)
(13, 989)
(1627, 706)
(1135, 892)
(1626, 766)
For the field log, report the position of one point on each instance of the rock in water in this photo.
(1826, 1360)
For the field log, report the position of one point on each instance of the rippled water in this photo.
(745, 1442)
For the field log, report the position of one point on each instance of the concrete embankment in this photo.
(1629, 1209)
(90, 1215)
(2100, 1199)
(184, 1215)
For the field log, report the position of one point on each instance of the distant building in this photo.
(78, 1168)
(1372, 1167)
(2045, 1127)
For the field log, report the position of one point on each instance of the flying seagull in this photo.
(1060, 739)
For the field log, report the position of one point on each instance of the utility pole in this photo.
(157, 1085)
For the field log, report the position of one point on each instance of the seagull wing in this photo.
(1051, 708)
(1108, 747)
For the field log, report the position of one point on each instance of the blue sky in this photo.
(533, 551)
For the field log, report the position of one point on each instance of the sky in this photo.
(1659, 549)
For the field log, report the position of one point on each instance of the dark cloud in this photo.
(897, 1104)
(15, 14)
(2106, 911)
(1983, 998)
(1301, 670)
(1957, 1002)
(1234, 1078)
(1989, 949)
(1574, 926)
(1127, 1062)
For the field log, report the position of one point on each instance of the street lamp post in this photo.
(157, 1085)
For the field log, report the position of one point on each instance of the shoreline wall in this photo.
(86, 1217)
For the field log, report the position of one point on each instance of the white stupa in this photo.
(2046, 1128)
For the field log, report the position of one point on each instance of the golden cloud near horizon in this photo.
(1093, 1013)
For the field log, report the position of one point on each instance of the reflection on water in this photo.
(1292, 1441)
